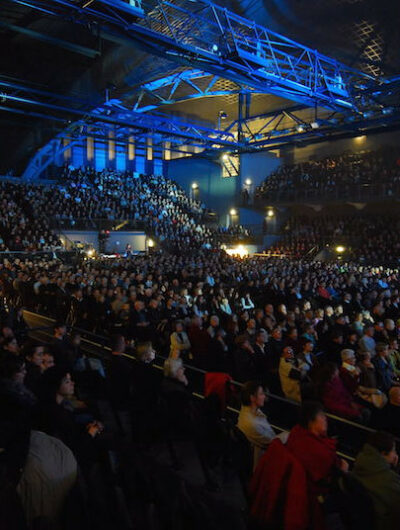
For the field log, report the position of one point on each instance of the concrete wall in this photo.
(251, 218)
(256, 167)
(216, 192)
(118, 240)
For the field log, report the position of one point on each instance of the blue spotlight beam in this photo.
(213, 39)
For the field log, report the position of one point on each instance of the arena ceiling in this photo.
(57, 55)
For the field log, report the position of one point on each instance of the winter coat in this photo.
(382, 484)
(278, 491)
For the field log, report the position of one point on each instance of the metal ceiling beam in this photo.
(329, 130)
(163, 91)
(66, 45)
(114, 114)
(215, 40)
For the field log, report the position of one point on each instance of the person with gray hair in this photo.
(174, 369)
(349, 372)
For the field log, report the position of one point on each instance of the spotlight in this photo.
(240, 251)
(233, 211)
(195, 186)
(225, 157)
(223, 115)
(214, 48)
(299, 128)
(150, 243)
(248, 182)
(90, 253)
(387, 110)
(360, 138)
(340, 249)
(270, 213)
(314, 124)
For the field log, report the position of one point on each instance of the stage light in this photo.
(222, 115)
(299, 128)
(233, 211)
(240, 251)
(90, 253)
(387, 110)
(248, 182)
(360, 138)
(150, 243)
(214, 48)
(270, 213)
(314, 124)
(340, 249)
(225, 157)
(195, 186)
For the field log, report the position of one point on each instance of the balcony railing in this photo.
(97, 224)
(353, 193)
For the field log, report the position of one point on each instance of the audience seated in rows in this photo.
(370, 239)
(298, 345)
(373, 172)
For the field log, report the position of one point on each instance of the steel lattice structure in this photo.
(196, 84)
(211, 41)
(111, 117)
(218, 41)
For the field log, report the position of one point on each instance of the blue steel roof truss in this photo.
(216, 41)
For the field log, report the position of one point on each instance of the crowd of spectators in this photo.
(307, 331)
(324, 336)
(229, 315)
(344, 176)
(163, 206)
(83, 196)
(368, 238)
(24, 224)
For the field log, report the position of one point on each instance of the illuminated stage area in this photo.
(199, 265)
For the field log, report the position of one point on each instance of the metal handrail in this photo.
(104, 349)
(199, 371)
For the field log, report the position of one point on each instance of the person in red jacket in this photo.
(309, 443)
(336, 398)
(290, 479)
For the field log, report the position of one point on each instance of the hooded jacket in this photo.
(382, 484)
